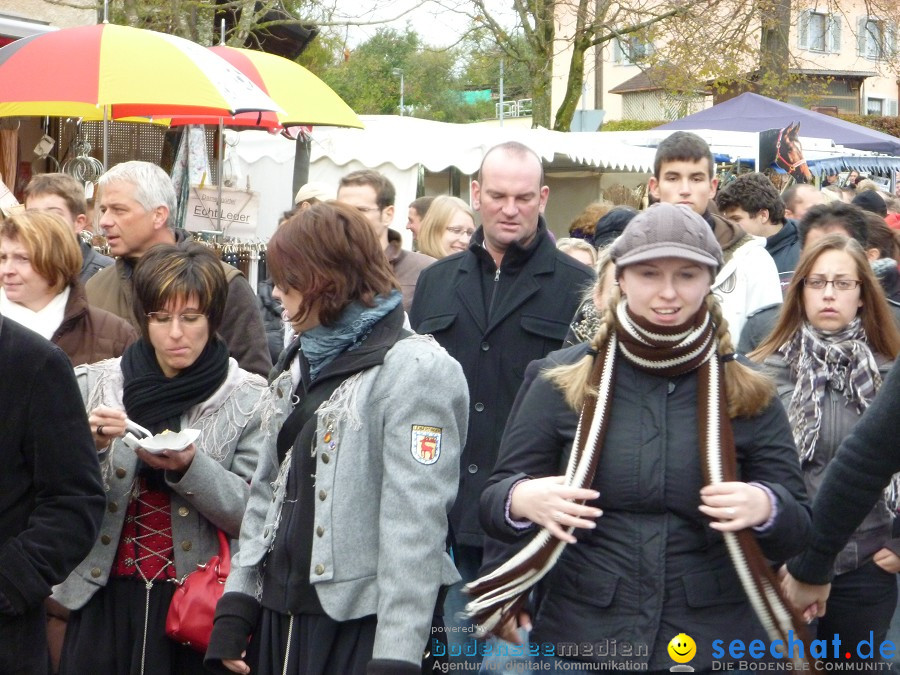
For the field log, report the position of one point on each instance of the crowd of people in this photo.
(502, 450)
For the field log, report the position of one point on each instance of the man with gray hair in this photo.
(136, 200)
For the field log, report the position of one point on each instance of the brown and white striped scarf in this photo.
(667, 352)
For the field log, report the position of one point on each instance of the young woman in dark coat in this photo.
(676, 482)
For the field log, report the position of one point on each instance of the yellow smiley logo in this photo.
(682, 648)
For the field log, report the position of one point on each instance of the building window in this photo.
(819, 32)
(875, 38)
(631, 49)
(874, 106)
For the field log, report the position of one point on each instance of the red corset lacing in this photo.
(145, 547)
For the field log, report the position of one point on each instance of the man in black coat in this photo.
(504, 302)
(51, 494)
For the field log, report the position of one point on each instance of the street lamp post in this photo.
(399, 72)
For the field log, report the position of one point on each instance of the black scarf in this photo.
(156, 401)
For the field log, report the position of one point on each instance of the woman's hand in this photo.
(735, 506)
(106, 424)
(810, 599)
(509, 630)
(177, 461)
(887, 560)
(237, 665)
(550, 504)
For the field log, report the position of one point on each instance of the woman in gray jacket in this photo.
(163, 510)
(833, 344)
(342, 550)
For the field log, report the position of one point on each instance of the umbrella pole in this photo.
(105, 138)
(220, 166)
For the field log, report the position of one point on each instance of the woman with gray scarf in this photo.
(834, 341)
(342, 549)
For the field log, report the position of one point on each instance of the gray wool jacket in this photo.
(210, 495)
(383, 494)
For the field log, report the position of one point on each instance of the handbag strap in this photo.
(223, 569)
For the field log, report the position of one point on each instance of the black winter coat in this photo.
(495, 322)
(653, 567)
(51, 494)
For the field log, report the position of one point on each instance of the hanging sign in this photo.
(240, 211)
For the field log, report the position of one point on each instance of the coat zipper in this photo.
(287, 649)
(148, 585)
(493, 293)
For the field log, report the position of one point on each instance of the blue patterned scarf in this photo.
(323, 344)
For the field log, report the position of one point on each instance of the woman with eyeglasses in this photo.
(833, 344)
(164, 510)
(447, 228)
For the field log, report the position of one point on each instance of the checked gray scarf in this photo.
(841, 361)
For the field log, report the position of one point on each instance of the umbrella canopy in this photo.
(752, 112)
(303, 97)
(77, 72)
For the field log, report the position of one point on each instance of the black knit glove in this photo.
(234, 623)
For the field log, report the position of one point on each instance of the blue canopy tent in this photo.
(752, 112)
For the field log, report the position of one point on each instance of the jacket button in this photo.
(183, 511)
(320, 531)
(95, 572)
(112, 507)
(479, 407)
(105, 539)
(671, 387)
(485, 346)
(326, 458)
(320, 569)
(120, 472)
(322, 495)
(186, 545)
(473, 468)
(279, 393)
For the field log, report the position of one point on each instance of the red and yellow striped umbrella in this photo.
(304, 98)
(77, 72)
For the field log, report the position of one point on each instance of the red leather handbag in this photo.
(190, 617)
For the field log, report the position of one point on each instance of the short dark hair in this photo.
(330, 254)
(835, 214)
(421, 205)
(385, 193)
(752, 192)
(59, 184)
(683, 146)
(791, 196)
(512, 148)
(170, 271)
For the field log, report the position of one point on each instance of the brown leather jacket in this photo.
(88, 334)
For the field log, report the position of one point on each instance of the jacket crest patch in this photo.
(426, 443)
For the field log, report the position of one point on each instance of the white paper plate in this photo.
(175, 442)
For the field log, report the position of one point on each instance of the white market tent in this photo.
(400, 147)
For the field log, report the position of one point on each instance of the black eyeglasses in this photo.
(818, 283)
